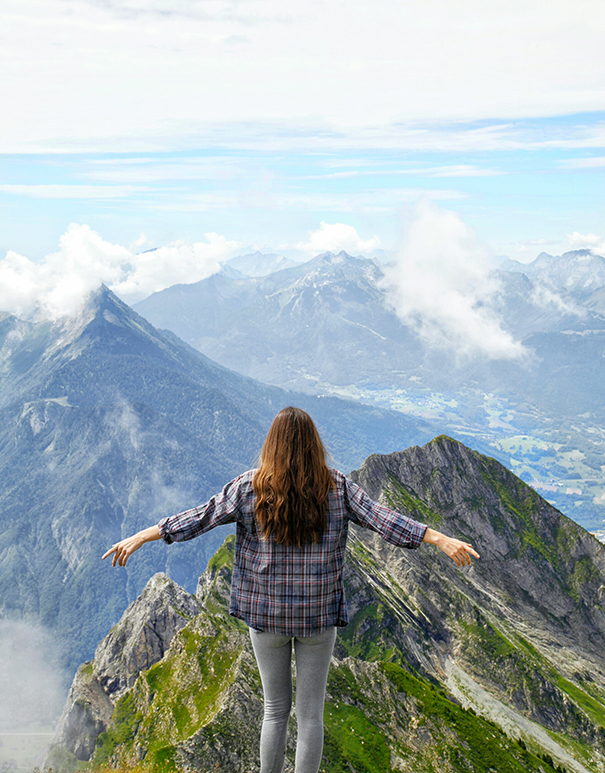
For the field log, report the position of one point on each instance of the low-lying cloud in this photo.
(57, 285)
(442, 284)
(592, 242)
(334, 237)
(32, 681)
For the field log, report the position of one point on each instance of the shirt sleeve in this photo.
(394, 527)
(220, 509)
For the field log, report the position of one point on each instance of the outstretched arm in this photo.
(125, 548)
(460, 552)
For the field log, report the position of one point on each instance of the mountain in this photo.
(576, 273)
(107, 425)
(260, 263)
(495, 667)
(326, 327)
(596, 301)
(322, 322)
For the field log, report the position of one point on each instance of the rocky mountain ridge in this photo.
(495, 667)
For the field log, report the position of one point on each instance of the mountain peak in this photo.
(335, 257)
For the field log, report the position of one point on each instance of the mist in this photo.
(442, 283)
(33, 683)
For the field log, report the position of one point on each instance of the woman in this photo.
(292, 516)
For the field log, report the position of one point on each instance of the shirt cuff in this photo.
(164, 533)
(419, 536)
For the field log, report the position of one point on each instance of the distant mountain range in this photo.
(325, 323)
(257, 264)
(325, 327)
(578, 273)
(107, 425)
(496, 667)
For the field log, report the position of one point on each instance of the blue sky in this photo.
(157, 121)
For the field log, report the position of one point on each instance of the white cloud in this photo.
(441, 283)
(578, 241)
(334, 237)
(57, 285)
(144, 68)
(176, 263)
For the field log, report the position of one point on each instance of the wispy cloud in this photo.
(71, 191)
(527, 244)
(455, 170)
(157, 169)
(145, 74)
(593, 162)
(192, 10)
(32, 679)
(334, 237)
(373, 200)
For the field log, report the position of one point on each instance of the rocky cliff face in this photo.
(495, 667)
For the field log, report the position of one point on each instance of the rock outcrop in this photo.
(136, 643)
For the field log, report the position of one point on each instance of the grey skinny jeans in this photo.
(274, 657)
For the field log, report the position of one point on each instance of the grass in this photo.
(223, 556)
(480, 745)
(403, 500)
(493, 643)
(522, 508)
(352, 742)
(589, 705)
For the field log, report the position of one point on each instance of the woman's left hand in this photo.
(460, 552)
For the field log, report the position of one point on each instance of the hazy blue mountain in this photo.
(107, 425)
(498, 667)
(596, 301)
(260, 263)
(578, 272)
(325, 322)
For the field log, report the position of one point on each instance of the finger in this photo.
(109, 552)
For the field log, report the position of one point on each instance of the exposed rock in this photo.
(140, 639)
(143, 634)
(86, 715)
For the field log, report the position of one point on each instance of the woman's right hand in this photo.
(125, 548)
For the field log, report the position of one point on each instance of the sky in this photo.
(215, 127)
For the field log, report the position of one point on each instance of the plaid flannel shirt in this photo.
(284, 589)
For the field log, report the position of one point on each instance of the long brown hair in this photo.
(292, 481)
